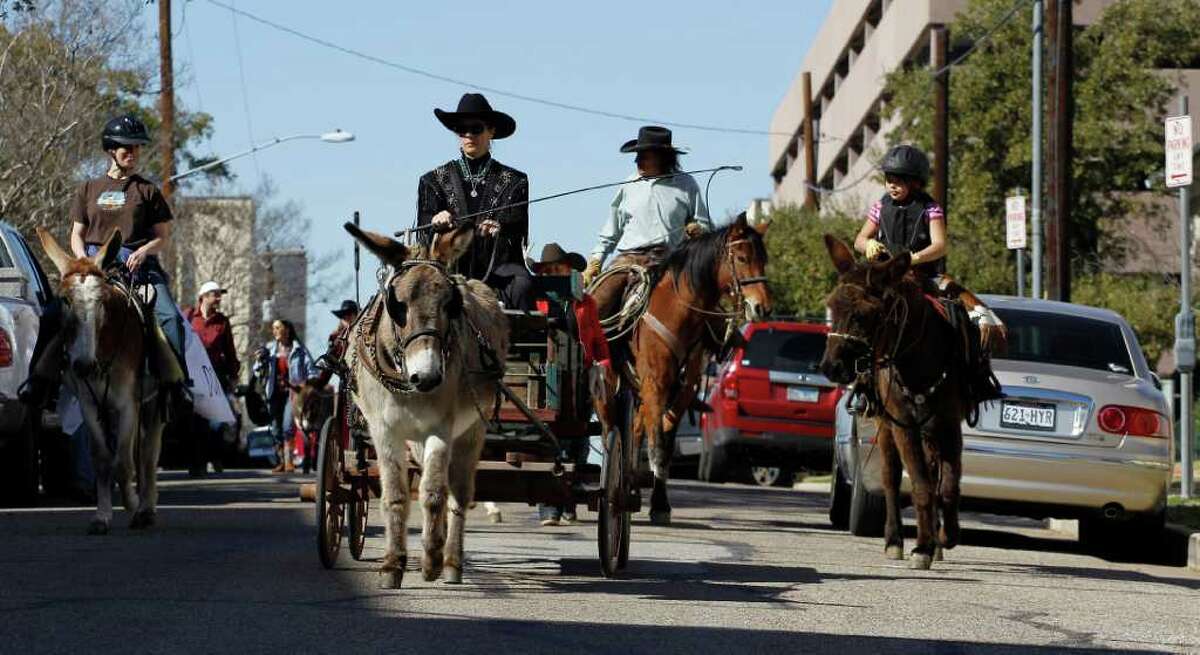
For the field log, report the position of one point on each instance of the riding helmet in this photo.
(906, 160)
(125, 130)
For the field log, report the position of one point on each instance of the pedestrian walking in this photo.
(285, 364)
(216, 334)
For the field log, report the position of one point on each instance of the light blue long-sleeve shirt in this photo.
(651, 212)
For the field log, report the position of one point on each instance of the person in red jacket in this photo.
(596, 357)
(216, 334)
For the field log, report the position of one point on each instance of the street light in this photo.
(336, 136)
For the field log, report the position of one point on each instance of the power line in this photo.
(237, 42)
(495, 91)
(987, 35)
(983, 39)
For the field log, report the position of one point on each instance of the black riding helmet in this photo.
(908, 161)
(125, 130)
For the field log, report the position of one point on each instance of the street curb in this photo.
(1184, 539)
(1182, 544)
(1069, 527)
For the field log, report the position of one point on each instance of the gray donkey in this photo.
(423, 359)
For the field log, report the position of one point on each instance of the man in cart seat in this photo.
(557, 262)
(474, 182)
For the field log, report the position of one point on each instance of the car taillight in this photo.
(6, 350)
(1132, 421)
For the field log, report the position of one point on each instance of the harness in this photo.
(118, 278)
(868, 366)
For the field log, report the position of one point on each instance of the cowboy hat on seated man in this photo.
(474, 182)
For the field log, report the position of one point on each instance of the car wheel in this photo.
(867, 511)
(772, 476)
(839, 498)
(19, 477)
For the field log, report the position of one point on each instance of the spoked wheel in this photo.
(359, 511)
(614, 496)
(331, 518)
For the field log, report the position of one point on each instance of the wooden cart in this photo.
(535, 451)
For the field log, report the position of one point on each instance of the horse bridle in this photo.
(442, 340)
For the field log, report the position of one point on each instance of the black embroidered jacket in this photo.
(443, 188)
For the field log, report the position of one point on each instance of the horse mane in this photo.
(698, 259)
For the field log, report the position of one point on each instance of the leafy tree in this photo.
(1121, 93)
(799, 266)
(66, 66)
(1126, 72)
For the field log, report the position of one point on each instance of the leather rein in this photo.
(867, 368)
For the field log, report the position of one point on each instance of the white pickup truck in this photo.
(25, 293)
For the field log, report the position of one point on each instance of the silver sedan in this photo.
(1082, 432)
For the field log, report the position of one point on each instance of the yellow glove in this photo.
(590, 273)
(875, 248)
(693, 230)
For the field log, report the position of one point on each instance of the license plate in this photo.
(803, 394)
(1027, 415)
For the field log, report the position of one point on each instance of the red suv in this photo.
(772, 408)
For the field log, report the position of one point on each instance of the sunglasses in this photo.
(473, 128)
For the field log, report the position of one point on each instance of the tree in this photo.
(1126, 70)
(799, 267)
(66, 66)
(1122, 84)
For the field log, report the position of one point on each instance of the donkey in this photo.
(888, 333)
(312, 405)
(106, 346)
(668, 344)
(425, 357)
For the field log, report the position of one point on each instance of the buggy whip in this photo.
(467, 218)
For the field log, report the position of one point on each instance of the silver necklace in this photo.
(476, 178)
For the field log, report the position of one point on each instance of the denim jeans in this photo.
(165, 309)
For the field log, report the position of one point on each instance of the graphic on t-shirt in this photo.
(111, 200)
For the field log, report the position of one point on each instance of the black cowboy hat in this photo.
(473, 106)
(348, 308)
(651, 137)
(552, 253)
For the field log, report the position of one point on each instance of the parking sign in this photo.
(1179, 151)
(1014, 220)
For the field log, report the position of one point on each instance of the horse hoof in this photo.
(660, 517)
(894, 552)
(453, 575)
(431, 567)
(495, 517)
(921, 561)
(97, 527)
(141, 520)
(390, 578)
(939, 555)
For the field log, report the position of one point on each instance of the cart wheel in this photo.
(330, 511)
(614, 518)
(359, 511)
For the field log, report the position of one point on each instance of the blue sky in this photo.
(701, 61)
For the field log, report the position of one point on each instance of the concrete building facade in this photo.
(860, 42)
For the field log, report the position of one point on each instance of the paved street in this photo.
(233, 567)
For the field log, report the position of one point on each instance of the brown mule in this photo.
(105, 345)
(668, 343)
(886, 331)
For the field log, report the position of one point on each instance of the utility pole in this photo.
(166, 74)
(810, 147)
(1060, 26)
(1035, 195)
(938, 38)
